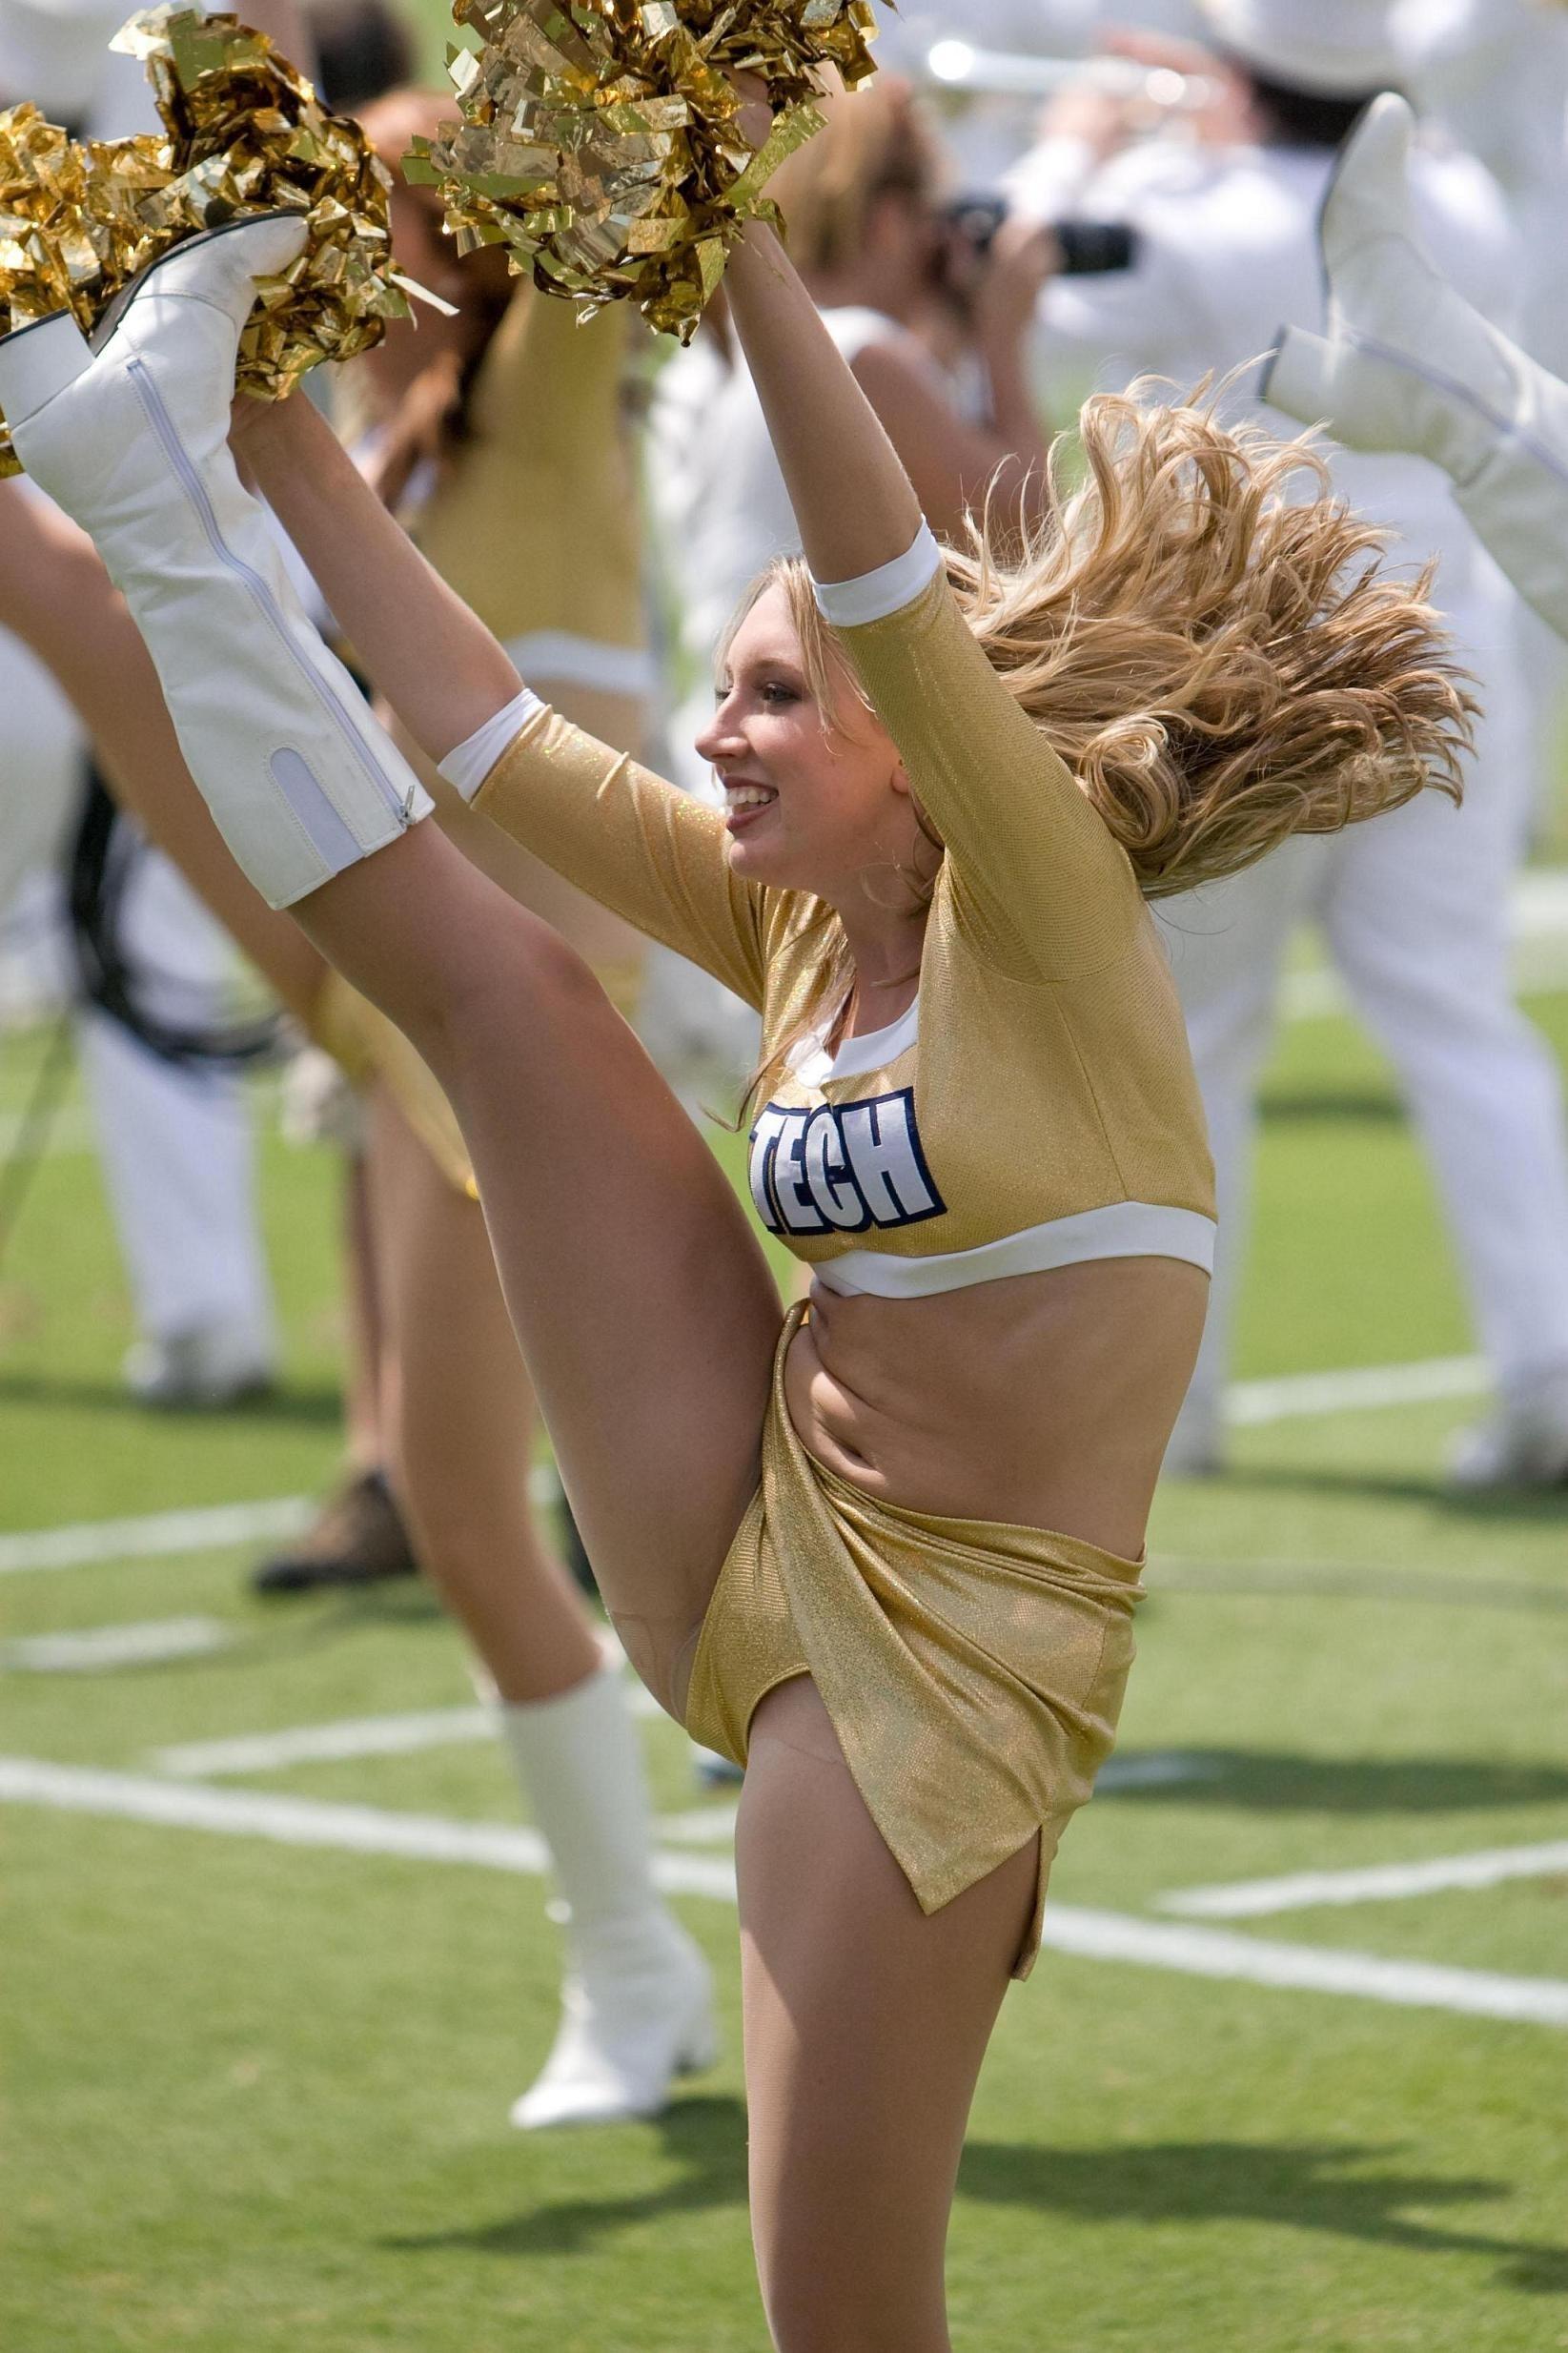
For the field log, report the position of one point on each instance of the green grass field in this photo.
(257, 2091)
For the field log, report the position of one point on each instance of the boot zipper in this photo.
(191, 483)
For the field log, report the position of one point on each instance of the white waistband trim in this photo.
(849, 604)
(1120, 1230)
(466, 769)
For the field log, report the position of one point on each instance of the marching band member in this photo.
(1415, 913)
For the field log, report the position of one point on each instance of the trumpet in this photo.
(1003, 74)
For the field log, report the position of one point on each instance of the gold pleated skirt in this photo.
(973, 1670)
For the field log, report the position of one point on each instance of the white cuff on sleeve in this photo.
(466, 769)
(849, 604)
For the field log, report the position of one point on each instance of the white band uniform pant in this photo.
(1415, 913)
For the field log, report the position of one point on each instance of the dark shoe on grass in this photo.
(357, 1538)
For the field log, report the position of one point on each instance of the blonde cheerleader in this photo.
(892, 1551)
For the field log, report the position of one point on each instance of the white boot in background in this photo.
(1523, 1446)
(130, 434)
(637, 2008)
(1408, 365)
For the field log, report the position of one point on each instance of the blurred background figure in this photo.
(173, 1134)
(1222, 212)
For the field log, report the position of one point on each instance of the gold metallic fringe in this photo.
(601, 142)
(243, 133)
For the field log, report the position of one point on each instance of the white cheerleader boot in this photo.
(130, 434)
(637, 2007)
(1408, 365)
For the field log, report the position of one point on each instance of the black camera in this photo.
(1089, 247)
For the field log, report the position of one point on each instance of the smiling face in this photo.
(816, 799)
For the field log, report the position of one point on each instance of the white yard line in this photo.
(1154, 1769)
(165, 1534)
(309, 1822)
(406, 1735)
(451, 1728)
(315, 1744)
(1097, 1936)
(448, 1727)
(162, 1535)
(72, 1132)
(1357, 1388)
(96, 1649)
(1538, 925)
(1249, 1899)
(154, 1535)
(704, 1826)
(1315, 1969)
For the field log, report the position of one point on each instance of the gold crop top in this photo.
(1036, 1106)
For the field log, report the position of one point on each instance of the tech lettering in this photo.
(824, 1170)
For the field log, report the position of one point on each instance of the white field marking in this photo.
(309, 1822)
(1248, 1405)
(1358, 1388)
(72, 1132)
(356, 1736)
(1314, 1968)
(1249, 1899)
(318, 1744)
(444, 1728)
(1538, 926)
(704, 1826)
(162, 1534)
(1157, 1770)
(1312, 995)
(1096, 1935)
(639, 1698)
(96, 1649)
(152, 1534)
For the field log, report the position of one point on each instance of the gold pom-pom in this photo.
(601, 140)
(243, 133)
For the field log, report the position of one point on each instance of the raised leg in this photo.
(56, 595)
(643, 1303)
(865, 2023)
(645, 1307)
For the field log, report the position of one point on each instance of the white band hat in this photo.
(1340, 47)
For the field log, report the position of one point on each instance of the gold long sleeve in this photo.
(648, 852)
(1039, 885)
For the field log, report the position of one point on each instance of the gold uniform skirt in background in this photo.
(973, 1670)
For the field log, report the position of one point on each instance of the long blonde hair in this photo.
(1219, 664)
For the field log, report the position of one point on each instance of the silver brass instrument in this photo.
(1002, 73)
